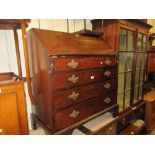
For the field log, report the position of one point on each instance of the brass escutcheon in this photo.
(73, 96)
(73, 79)
(74, 114)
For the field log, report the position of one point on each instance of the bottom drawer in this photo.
(123, 121)
(74, 114)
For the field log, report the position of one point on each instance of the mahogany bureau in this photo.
(73, 79)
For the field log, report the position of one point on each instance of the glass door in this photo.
(140, 67)
(125, 69)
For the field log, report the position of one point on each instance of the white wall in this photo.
(8, 61)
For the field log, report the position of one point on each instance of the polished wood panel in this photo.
(79, 112)
(73, 96)
(74, 63)
(13, 113)
(77, 78)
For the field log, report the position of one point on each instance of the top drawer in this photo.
(79, 63)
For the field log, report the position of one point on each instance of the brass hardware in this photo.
(107, 62)
(107, 73)
(132, 133)
(110, 128)
(73, 96)
(51, 66)
(107, 85)
(73, 64)
(1, 130)
(74, 114)
(107, 100)
(73, 79)
(124, 121)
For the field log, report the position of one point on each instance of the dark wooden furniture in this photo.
(150, 69)
(150, 110)
(74, 79)
(128, 37)
(13, 117)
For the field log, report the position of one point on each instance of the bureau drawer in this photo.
(73, 96)
(67, 80)
(68, 64)
(79, 112)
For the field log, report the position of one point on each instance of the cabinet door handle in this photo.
(73, 96)
(107, 73)
(73, 64)
(73, 79)
(74, 114)
(107, 100)
(107, 85)
(107, 62)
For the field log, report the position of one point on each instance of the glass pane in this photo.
(142, 60)
(139, 42)
(141, 77)
(120, 83)
(121, 64)
(144, 42)
(138, 57)
(127, 99)
(140, 92)
(130, 41)
(135, 95)
(128, 80)
(129, 61)
(137, 78)
(123, 38)
(120, 101)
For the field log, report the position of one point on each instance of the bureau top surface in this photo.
(62, 43)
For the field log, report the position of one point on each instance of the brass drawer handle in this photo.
(74, 114)
(107, 100)
(73, 64)
(73, 79)
(107, 62)
(107, 73)
(73, 96)
(107, 85)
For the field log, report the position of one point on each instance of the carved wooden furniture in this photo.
(74, 79)
(13, 117)
(128, 37)
(150, 110)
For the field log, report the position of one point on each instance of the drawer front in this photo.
(73, 79)
(66, 98)
(77, 113)
(111, 129)
(69, 64)
(124, 120)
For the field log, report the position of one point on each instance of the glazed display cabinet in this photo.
(128, 38)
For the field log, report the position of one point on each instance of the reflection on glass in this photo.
(128, 81)
(135, 95)
(123, 38)
(127, 99)
(142, 60)
(144, 42)
(130, 41)
(120, 83)
(139, 44)
(121, 65)
(138, 57)
(137, 78)
(120, 102)
(129, 61)
(141, 76)
(140, 92)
